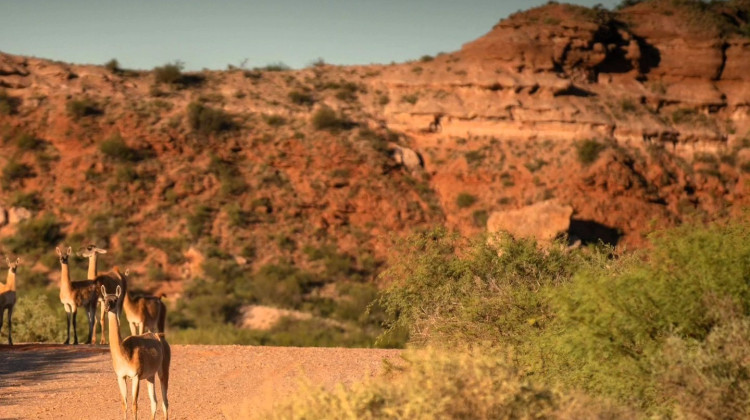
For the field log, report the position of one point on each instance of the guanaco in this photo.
(91, 252)
(74, 295)
(143, 312)
(137, 357)
(8, 296)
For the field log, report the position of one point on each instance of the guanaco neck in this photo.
(127, 304)
(65, 283)
(10, 283)
(92, 266)
(115, 339)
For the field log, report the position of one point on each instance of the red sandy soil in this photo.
(206, 382)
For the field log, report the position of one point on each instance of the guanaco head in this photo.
(90, 250)
(110, 299)
(12, 266)
(64, 255)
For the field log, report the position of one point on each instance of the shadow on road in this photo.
(39, 361)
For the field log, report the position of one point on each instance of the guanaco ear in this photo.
(70, 250)
(104, 291)
(101, 251)
(127, 271)
(18, 261)
(7, 260)
(118, 291)
(58, 251)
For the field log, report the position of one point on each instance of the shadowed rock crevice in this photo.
(591, 232)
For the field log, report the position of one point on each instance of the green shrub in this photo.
(278, 66)
(411, 99)
(174, 248)
(693, 282)
(35, 235)
(348, 92)
(115, 148)
(103, 226)
(281, 284)
(588, 151)
(199, 222)
(326, 118)
(301, 98)
(14, 171)
(480, 217)
(274, 120)
(80, 108)
(232, 182)
(447, 289)
(27, 142)
(436, 384)
(207, 120)
(8, 104)
(31, 201)
(426, 58)
(34, 318)
(113, 66)
(465, 200)
(170, 73)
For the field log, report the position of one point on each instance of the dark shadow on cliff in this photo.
(591, 232)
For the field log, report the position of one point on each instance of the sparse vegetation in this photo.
(326, 118)
(206, 120)
(35, 235)
(31, 200)
(588, 151)
(113, 66)
(411, 99)
(8, 104)
(302, 98)
(465, 200)
(198, 223)
(80, 108)
(14, 172)
(170, 73)
(115, 148)
(28, 142)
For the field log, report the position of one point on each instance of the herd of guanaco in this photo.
(145, 354)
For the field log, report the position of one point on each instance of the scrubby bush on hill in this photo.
(116, 148)
(35, 235)
(80, 108)
(169, 73)
(206, 120)
(8, 104)
(14, 171)
(588, 151)
(326, 118)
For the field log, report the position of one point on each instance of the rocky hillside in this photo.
(611, 123)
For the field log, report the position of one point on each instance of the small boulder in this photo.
(18, 214)
(407, 157)
(543, 221)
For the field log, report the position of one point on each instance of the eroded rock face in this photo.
(543, 221)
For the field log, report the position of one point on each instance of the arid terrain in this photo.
(207, 382)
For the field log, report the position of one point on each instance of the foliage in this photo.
(278, 66)
(198, 223)
(15, 171)
(113, 66)
(8, 104)
(34, 317)
(326, 118)
(232, 182)
(80, 108)
(432, 384)
(28, 142)
(115, 148)
(35, 235)
(588, 151)
(464, 200)
(301, 98)
(31, 200)
(451, 289)
(206, 120)
(170, 73)
(693, 278)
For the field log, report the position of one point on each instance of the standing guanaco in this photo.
(91, 252)
(74, 295)
(137, 357)
(143, 312)
(8, 296)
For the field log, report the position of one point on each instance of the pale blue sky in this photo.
(142, 34)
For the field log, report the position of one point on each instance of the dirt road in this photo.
(207, 382)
